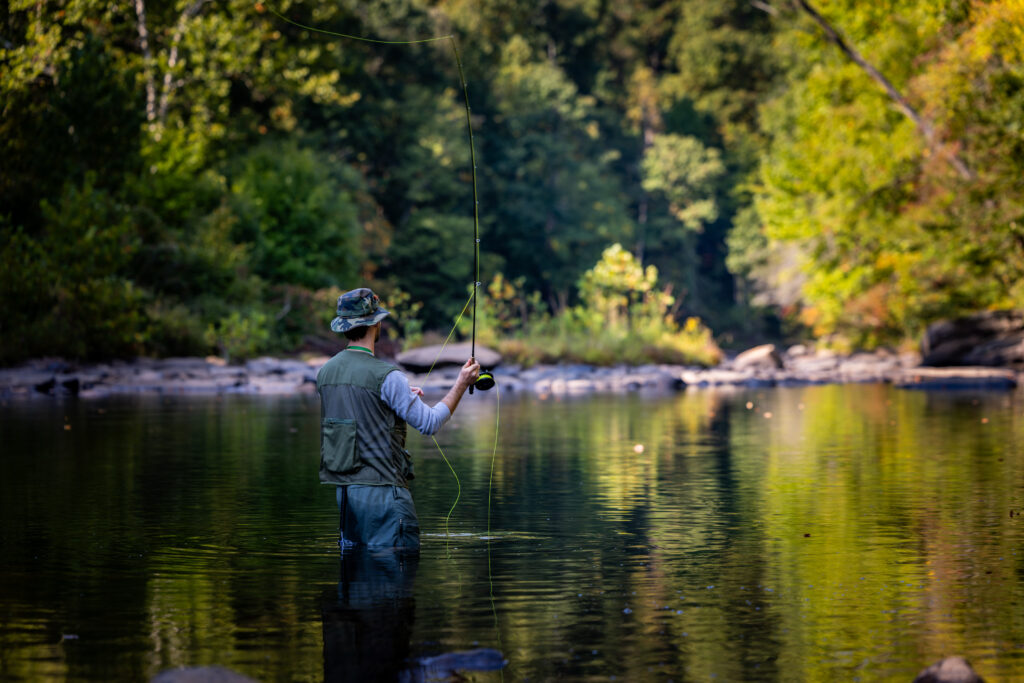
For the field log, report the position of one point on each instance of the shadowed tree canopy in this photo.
(181, 174)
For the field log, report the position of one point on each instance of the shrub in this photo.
(623, 318)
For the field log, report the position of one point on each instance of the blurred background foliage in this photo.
(189, 177)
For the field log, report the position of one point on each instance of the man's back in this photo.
(362, 438)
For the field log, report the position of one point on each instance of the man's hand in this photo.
(469, 373)
(416, 391)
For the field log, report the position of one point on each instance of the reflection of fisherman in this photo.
(365, 404)
(368, 623)
(368, 617)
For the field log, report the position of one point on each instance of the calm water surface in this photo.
(821, 533)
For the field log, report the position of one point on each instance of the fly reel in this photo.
(485, 381)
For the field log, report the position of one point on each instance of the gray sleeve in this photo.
(395, 391)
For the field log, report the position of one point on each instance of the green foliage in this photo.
(238, 336)
(56, 126)
(296, 210)
(250, 167)
(686, 173)
(64, 291)
(556, 202)
(509, 307)
(889, 236)
(433, 257)
(611, 290)
(623, 319)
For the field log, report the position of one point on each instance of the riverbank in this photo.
(763, 366)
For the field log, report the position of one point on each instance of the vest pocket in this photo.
(338, 446)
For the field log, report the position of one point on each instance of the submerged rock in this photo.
(201, 674)
(949, 670)
(447, 666)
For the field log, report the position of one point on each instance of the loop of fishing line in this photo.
(440, 450)
(490, 479)
(263, 5)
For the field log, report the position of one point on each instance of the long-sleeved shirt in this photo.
(396, 392)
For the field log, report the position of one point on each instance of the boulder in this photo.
(764, 357)
(949, 670)
(797, 350)
(420, 360)
(990, 338)
(579, 386)
(713, 377)
(868, 367)
(815, 364)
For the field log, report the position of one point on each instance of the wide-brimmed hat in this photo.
(358, 308)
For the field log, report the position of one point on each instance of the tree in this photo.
(556, 200)
(892, 236)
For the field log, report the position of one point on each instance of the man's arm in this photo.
(467, 375)
(405, 401)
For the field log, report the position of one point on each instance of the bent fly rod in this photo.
(485, 380)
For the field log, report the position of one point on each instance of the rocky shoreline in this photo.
(763, 366)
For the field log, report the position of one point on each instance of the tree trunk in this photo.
(923, 125)
(147, 58)
(169, 84)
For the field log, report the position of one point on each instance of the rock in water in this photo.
(200, 674)
(764, 357)
(446, 667)
(949, 670)
(956, 378)
(991, 338)
(419, 360)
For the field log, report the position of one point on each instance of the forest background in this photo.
(192, 176)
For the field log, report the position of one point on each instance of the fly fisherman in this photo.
(365, 404)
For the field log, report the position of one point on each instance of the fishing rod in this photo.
(485, 380)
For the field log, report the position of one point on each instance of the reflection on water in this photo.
(368, 617)
(368, 622)
(820, 533)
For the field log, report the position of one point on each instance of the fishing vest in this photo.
(362, 440)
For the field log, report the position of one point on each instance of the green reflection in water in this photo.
(823, 533)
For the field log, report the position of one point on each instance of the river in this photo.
(856, 532)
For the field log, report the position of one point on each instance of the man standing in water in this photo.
(365, 404)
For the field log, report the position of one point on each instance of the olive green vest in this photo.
(362, 440)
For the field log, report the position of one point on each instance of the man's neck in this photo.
(362, 345)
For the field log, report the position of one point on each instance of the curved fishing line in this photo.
(476, 239)
(449, 337)
(458, 491)
(469, 128)
(490, 480)
(444, 457)
(350, 37)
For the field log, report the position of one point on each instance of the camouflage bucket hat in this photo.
(358, 308)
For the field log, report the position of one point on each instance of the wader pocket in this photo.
(338, 446)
